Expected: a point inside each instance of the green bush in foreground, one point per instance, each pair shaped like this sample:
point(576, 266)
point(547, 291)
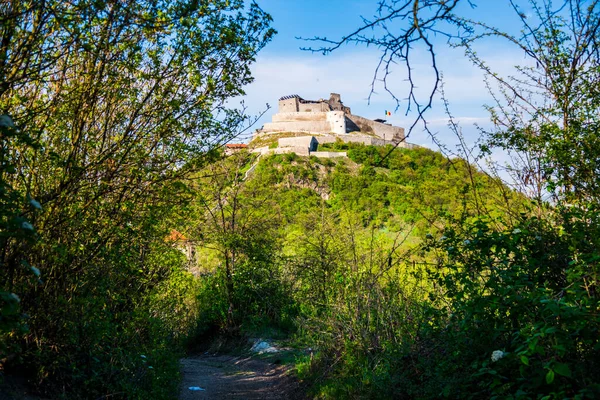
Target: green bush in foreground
point(523, 315)
point(509, 313)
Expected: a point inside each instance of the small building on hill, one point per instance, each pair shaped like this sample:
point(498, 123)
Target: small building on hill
point(231, 148)
point(183, 244)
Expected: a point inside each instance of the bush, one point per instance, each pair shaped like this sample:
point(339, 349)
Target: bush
point(523, 303)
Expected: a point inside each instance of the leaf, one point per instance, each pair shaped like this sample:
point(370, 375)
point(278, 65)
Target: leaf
point(525, 360)
point(520, 393)
point(446, 392)
point(550, 377)
point(532, 344)
point(562, 369)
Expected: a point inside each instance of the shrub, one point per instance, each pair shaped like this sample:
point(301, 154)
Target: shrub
point(522, 306)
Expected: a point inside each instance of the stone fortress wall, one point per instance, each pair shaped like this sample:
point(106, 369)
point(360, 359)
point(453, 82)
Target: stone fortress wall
point(381, 130)
point(324, 121)
point(326, 117)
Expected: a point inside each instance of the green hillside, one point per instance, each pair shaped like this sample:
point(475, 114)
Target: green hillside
point(409, 191)
point(330, 253)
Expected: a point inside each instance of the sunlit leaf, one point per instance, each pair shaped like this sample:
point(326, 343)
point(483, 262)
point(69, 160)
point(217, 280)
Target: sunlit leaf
point(550, 377)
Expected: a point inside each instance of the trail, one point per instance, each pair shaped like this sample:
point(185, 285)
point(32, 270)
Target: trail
point(229, 377)
point(249, 172)
point(252, 168)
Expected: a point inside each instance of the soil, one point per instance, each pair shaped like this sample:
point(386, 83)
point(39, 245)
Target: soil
point(230, 377)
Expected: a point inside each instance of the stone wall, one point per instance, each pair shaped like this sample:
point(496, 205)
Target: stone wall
point(384, 131)
point(299, 116)
point(313, 107)
point(316, 122)
point(308, 142)
point(327, 139)
point(336, 122)
point(364, 139)
point(295, 103)
point(372, 141)
point(289, 105)
point(368, 140)
point(298, 126)
point(301, 151)
point(261, 150)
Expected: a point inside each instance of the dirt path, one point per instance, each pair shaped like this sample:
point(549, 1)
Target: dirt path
point(228, 377)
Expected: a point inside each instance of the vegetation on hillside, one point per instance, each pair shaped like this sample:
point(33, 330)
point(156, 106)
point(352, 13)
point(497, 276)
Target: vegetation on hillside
point(330, 252)
point(512, 308)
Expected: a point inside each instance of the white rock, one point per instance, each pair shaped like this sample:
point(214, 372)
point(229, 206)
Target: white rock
point(261, 347)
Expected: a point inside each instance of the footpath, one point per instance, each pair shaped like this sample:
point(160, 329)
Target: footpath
point(229, 377)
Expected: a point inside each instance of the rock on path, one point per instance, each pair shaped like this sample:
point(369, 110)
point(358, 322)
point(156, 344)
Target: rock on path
point(228, 377)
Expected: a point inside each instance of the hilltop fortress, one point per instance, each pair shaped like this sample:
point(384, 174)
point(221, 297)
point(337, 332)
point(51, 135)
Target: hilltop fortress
point(301, 125)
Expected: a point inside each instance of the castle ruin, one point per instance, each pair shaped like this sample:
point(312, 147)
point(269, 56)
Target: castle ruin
point(314, 122)
point(327, 117)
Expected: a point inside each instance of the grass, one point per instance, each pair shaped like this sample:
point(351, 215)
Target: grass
point(360, 133)
point(283, 357)
point(329, 147)
point(267, 139)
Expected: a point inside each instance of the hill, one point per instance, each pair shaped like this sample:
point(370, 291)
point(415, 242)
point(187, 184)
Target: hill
point(329, 252)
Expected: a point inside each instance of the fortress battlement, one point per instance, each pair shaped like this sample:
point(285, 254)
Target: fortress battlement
point(316, 122)
point(326, 117)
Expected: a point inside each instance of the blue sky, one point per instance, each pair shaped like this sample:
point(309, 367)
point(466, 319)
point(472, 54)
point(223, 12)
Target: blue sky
point(282, 68)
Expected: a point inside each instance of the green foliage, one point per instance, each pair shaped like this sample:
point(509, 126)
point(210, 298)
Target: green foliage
point(16, 230)
point(238, 222)
point(123, 101)
point(535, 306)
point(417, 185)
point(500, 299)
point(392, 319)
point(341, 273)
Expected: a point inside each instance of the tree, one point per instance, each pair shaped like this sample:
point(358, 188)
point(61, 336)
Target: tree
point(15, 230)
point(122, 100)
point(238, 220)
point(397, 28)
point(318, 257)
